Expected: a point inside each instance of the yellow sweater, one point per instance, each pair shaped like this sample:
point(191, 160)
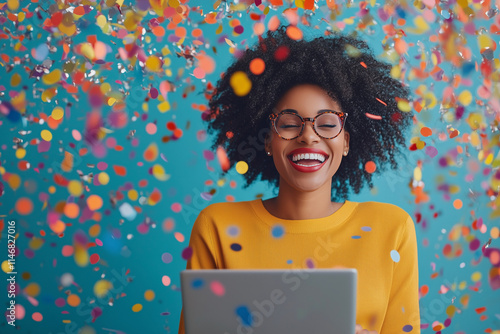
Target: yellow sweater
point(378, 239)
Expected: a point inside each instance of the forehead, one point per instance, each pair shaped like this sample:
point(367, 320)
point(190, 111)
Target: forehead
point(306, 99)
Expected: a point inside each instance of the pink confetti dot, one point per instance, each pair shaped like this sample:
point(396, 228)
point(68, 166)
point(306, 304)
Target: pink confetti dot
point(166, 280)
point(176, 207)
point(111, 142)
point(151, 128)
point(60, 302)
point(217, 288)
point(98, 242)
point(198, 73)
point(37, 316)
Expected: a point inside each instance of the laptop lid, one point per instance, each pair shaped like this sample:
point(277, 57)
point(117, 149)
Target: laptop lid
point(269, 301)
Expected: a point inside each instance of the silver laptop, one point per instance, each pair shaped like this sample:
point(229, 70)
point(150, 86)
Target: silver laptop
point(269, 301)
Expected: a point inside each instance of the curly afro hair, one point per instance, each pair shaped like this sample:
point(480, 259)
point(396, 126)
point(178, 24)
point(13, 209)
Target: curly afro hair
point(346, 69)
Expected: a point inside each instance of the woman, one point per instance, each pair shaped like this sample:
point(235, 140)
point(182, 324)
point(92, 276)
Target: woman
point(322, 109)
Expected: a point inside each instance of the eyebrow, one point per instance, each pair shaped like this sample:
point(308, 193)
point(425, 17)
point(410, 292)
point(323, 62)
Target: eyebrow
point(296, 112)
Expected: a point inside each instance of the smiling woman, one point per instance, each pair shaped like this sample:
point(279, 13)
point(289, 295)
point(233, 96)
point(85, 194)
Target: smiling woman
point(330, 114)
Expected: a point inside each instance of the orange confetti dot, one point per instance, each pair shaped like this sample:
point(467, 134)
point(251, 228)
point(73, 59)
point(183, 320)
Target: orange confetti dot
point(294, 33)
point(480, 310)
point(94, 202)
point(24, 206)
point(57, 227)
point(425, 131)
point(179, 236)
point(73, 300)
point(257, 66)
point(158, 31)
point(71, 210)
point(196, 32)
point(178, 133)
point(457, 204)
point(180, 32)
point(370, 167)
point(363, 64)
point(120, 170)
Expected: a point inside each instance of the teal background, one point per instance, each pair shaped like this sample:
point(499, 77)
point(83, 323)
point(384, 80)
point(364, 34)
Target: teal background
point(125, 248)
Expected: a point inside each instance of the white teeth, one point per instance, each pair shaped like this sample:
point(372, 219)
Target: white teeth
point(312, 156)
point(307, 165)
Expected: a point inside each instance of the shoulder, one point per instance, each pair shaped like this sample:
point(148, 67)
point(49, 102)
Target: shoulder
point(389, 215)
point(386, 209)
point(226, 210)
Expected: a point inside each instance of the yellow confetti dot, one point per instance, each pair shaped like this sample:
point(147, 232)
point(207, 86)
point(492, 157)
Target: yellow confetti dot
point(103, 178)
point(32, 289)
point(101, 21)
point(164, 106)
point(465, 97)
point(57, 113)
point(15, 79)
point(450, 310)
point(75, 188)
point(404, 106)
point(153, 63)
point(20, 153)
point(159, 173)
point(36, 243)
point(417, 174)
point(137, 307)
point(52, 77)
point(46, 135)
point(133, 195)
point(111, 101)
point(240, 83)
point(241, 167)
point(102, 287)
point(87, 50)
point(95, 230)
point(13, 4)
point(81, 256)
point(149, 295)
point(476, 276)
point(6, 267)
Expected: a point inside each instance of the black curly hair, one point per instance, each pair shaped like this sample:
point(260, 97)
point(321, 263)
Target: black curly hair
point(345, 67)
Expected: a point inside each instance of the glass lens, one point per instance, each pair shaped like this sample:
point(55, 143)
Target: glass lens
point(327, 125)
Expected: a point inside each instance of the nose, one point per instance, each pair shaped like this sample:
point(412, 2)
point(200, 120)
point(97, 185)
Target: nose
point(308, 134)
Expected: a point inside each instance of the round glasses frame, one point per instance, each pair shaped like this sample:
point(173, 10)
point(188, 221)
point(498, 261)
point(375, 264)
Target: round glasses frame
point(342, 115)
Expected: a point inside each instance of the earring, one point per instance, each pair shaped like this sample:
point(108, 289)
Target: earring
point(345, 153)
point(268, 153)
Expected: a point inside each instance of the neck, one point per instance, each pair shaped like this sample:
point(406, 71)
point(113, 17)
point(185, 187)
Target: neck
point(293, 204)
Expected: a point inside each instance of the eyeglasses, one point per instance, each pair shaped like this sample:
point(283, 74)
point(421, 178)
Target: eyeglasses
point(289, 125)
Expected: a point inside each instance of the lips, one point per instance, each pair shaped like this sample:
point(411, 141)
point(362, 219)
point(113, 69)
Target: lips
point(305, 168)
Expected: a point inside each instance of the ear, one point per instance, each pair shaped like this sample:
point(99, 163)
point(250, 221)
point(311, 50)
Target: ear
point(346, 140)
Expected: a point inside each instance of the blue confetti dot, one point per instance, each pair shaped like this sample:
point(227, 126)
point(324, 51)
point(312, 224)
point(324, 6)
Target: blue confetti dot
point(197, 283)
point(395, 255)
point(244, 313)
point(236, 247)
point(366, 228)
point(289, 261)
point(356, 237)
point(407, 328)
point(277, 231)
point(233, 231)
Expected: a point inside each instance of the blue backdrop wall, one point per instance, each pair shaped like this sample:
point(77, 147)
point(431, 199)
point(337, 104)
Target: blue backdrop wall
point(105, 161)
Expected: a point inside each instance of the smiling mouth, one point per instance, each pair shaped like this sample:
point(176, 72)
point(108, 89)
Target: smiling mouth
point(307, 162)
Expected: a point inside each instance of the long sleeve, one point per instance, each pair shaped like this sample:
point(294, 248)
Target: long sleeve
point(201, 242)
point(403, 312)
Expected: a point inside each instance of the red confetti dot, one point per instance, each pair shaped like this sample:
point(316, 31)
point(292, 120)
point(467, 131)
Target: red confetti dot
point(281, 53)
point(94, 258)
